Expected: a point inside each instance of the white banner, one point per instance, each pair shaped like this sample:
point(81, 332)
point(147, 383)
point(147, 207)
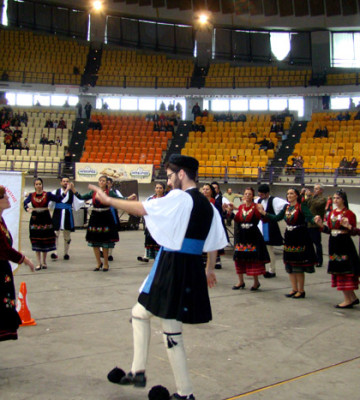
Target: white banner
point(14, 183)
point(91, 172)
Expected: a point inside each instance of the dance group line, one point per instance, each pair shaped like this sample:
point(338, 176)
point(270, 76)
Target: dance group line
point(185, 224)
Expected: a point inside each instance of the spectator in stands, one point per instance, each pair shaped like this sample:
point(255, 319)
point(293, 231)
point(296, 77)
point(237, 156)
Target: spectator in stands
point(5, 76)
point(66, 104)
point(351, 103)
point(17, 132)
point(62, 123)
point(340, 117)
point(8, 140)
point(162, 106)
point(347, 116)
point(171, 107)
point(58, 141)
point(266, 144)
point(49, 123)
point(16, 144)
point(352, 166)
point(241, 118)
point(205, 113)
point(79, 108)
point(24, 118)
point(26, 145)
point(274, 127)
point(37, 104)
point(88, 109)
point(56, 124)
point(343, 166)
point(44, 139)
point(196, 110)
point(357, 116)
point(253, 135)
point(178, 108)
point(105, 106)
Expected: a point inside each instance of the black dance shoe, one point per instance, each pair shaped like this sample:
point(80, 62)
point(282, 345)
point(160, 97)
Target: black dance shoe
point(54, 256)
point(138, 380)
point(254, 288)
point(355, 302)
point(291, 294)
point(269, 275)
point(177, 396)
point(301, 295)
point(115, 375)
point(237, 287)
point(66, 257)
point(347, 306)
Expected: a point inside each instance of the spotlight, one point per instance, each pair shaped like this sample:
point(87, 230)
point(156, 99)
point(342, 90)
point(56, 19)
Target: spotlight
point(97, 5)
point(203, 19)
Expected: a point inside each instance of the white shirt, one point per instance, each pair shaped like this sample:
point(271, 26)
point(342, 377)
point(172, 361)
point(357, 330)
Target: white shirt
point(278, 205)
point(168, 217)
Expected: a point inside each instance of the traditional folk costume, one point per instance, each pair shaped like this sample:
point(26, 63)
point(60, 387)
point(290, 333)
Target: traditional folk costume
point(152, 248)
point(42, 235)
point(270, 229)
point(63, 218)
point(185, 224)
point(9, 318)
point(344, 262)
point(299, 254)
point(102, 230)
point(250, 254)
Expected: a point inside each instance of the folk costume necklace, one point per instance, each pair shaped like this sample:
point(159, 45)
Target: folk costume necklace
point(290, 212)
point(39, 199)
point(245, 213)
point(336, 217)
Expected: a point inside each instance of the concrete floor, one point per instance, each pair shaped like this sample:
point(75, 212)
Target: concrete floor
point(260, 345)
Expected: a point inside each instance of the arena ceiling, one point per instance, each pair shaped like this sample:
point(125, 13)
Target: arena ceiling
point(268, 14)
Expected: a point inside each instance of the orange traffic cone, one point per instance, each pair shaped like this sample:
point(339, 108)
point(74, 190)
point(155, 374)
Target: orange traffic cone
point(22, 307)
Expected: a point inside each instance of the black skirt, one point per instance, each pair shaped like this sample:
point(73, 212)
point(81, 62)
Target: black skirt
point(179, 290)
point(42, 235)
point(250, 245)
point(343, 257)
point(102, 228)
point(9, 318)
point(299, 248)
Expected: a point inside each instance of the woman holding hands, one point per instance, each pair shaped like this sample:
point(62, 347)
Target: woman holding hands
point(299, 254)
point(344, 262)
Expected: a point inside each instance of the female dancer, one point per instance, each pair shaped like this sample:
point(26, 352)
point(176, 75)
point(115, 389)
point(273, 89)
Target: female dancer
point(9, 318)
point(151, 247)
point(344, 262)
point(250, 254)
point(42, 235)
point(102, 230)
point(299, 253)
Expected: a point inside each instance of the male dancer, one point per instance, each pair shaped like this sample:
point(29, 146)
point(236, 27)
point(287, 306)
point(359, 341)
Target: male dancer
point(185, 224)
point(270, 230)
point(63, 219)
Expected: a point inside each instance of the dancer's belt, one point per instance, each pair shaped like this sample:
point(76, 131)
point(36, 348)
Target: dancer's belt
point(63, 206)
point(246, 226)
point(189, 246)
point(335, 232)
point(292, 227)
point(40, 209)
point(101, 209)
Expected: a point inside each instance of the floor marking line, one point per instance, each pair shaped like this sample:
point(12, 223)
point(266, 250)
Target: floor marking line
point(291, 379)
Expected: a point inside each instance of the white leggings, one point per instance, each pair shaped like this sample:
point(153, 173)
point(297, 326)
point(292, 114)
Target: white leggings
point(173, 340)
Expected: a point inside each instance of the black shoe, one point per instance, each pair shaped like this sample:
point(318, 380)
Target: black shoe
point(143, 259)
point(54, 256)
point(66, 257)
point(177, 396)
point(348, 306)
point(111, 258)
point(253, 288)
point(115, 375)
point(138, 380)
point(291, 294)
point(269, 274)
point(218, 266)
point(237, 287)
point(98, 268)
point(301, 295)
point(355, 302)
